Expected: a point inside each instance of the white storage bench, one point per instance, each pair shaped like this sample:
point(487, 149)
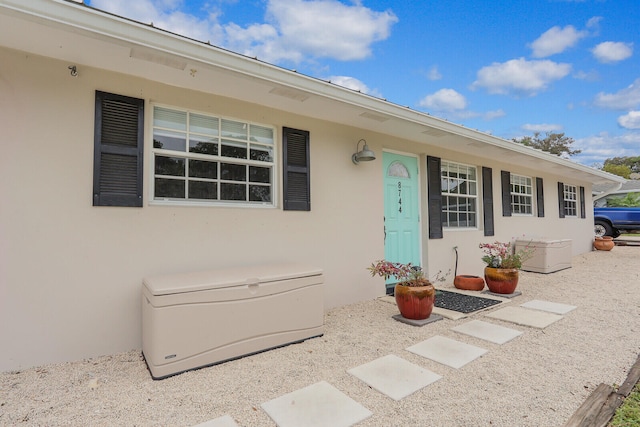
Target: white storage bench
point(549, 255)
point(198, 319)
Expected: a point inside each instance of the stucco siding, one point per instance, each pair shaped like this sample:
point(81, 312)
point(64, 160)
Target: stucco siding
point(71, 273)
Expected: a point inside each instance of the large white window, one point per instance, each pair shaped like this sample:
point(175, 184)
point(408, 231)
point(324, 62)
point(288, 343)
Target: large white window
point(570, 194)
point(521, 195)
point(459, 185)
point(203, 158)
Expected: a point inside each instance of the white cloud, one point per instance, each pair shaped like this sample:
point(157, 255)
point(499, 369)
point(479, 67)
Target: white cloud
point(520, 76)
point(293, 31)
point(450, 104)
point(322, 28)
point(625, 99)
point(631, 120)
point(353, 84)
point(556, 40)
point(594, 23)
point(444, 100)
point(607, 52)
point(434, 73)
point(495, 114)
point(166, 15)
point(542, 127)
point(590, 76)
point(598, 148)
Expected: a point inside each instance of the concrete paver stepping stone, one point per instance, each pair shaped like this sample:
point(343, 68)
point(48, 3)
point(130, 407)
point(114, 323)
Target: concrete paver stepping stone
point(447, 351)
point(525, 316)
point(225, 421)
point(487, 331)
point(317, 405)
point(551, 307)
point(394, 376)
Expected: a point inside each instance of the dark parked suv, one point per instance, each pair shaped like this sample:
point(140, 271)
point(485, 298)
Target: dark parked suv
point(617, 212)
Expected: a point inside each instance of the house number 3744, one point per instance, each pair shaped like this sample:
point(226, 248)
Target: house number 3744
point(399, 197)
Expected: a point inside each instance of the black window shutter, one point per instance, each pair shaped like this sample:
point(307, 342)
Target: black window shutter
point(435, 197)
point(583, 208)
point(487, 200)
point(118, 149)
point(297, 179)
point(505, 180)
point(540, 197)
point(561, 199)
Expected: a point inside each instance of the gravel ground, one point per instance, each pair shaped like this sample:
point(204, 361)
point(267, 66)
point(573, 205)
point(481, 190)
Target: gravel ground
point(538, 379)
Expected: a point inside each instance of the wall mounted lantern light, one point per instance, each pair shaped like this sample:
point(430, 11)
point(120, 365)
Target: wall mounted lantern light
point(364, 155)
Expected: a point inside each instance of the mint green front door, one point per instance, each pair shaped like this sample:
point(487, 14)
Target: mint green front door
point(401, 209)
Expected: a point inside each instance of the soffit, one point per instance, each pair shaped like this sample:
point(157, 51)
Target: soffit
point(86, 37)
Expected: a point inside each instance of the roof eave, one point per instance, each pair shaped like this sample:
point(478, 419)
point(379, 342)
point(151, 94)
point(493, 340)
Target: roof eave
point(79, 18)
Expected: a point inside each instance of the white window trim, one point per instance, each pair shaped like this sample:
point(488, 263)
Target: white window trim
point(151, 153)
point(530, 196)
point(574, 201)
point(476, 197)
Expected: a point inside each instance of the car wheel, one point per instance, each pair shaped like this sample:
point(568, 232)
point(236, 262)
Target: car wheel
point(603, 229)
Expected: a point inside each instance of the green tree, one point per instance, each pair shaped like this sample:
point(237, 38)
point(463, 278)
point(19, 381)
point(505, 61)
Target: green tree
point(620, 170)
point(554, 143)
point(633, 163)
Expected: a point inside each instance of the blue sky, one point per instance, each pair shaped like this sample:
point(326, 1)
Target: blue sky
point(506, 67)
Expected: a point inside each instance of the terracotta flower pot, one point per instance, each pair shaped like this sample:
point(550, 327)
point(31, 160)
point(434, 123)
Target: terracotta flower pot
point(469, 283)
point(604, 243)
point(501, 280)
point(415, 302)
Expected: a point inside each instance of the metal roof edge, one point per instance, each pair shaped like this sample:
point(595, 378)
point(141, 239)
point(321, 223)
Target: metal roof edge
point(72, 13)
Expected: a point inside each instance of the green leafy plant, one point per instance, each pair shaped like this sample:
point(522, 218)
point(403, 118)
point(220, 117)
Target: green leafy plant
point(628, 415)
point(503, 255)
point(406, 274)
point(631, 200)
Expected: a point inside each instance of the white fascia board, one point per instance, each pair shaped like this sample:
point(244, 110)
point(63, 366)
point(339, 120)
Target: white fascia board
point(76, 16)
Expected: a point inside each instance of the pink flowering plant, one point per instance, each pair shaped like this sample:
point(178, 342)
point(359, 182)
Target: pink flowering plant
point(503, 255)
point(406, 274)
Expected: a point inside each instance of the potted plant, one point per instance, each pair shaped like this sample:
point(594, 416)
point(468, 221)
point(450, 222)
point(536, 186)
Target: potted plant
point(466, 282)
point(603, 243)
point(414, 293)
point(503, 265)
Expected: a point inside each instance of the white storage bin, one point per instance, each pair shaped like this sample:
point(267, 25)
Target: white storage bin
point(198, 319)
point(549, 255)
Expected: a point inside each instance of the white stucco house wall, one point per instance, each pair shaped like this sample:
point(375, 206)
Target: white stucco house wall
point(129, 151)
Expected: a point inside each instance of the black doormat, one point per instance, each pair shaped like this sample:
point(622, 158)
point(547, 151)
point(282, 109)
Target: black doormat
point(461, 302)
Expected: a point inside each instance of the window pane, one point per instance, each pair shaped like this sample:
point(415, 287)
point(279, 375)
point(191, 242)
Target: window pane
point(471, 174)
point(473, 188)
point(203, 124)
point(259, 193)
point(170, 188)
point(171, 119)
point(169, 140)
point(201, 145)
point(261, 134)
point(459, 195)
point(257, 174)
point(232, 191)
point(237, 150)
point(203, 190)
point(203, 169)
point(453, 219)
point(233, 129)
point(231, 172)
point(169, 166)
point(262, 154)
point(192, 169)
